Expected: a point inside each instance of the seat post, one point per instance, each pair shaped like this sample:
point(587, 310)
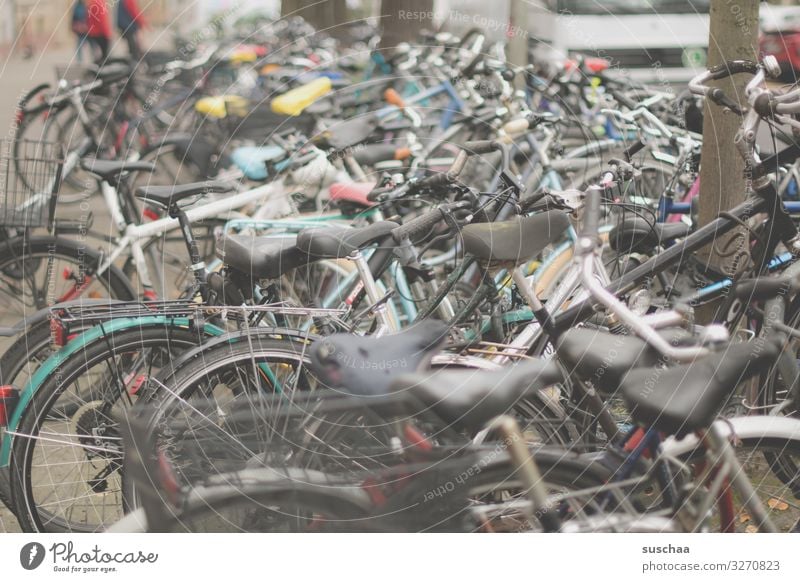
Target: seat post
point(352, 165)
point(540, 312)
point(371, 289)
point(112, 203)
point(198, 266)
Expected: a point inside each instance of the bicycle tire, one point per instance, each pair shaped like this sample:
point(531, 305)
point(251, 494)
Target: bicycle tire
point(762, 459)
point(104, 349)
point(21, 258)
point(351, 512)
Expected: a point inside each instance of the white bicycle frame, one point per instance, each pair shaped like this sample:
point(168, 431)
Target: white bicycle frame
point(135, 236)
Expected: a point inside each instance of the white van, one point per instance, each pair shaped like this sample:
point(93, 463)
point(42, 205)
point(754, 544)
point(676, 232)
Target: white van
point(650, 39)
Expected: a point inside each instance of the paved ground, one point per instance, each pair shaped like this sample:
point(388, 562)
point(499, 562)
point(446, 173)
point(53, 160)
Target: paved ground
point(18, 75)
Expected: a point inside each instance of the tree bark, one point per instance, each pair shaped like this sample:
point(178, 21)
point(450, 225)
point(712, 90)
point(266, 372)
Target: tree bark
point(518, 38)
point(733, 35)
point(288, 7)
point(324, 15)
point(401, 20)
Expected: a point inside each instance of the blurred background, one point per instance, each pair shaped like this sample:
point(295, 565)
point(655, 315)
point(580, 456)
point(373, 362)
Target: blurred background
point(663, 39)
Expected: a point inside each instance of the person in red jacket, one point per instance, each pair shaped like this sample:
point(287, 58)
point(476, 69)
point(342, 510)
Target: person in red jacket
point(98, 28)
point(129, 22)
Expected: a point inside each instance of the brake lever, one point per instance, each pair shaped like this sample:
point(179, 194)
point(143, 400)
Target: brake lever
point(622, 171)
point(718, 96)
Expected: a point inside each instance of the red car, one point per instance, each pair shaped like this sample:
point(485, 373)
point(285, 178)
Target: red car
point(780, 35)
point(784, 46)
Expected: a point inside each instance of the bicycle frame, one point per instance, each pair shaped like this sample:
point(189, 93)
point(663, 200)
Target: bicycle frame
point(455, 105)
point(135, 235)
point(69, 350)
point(671, 256)
point(726, 473)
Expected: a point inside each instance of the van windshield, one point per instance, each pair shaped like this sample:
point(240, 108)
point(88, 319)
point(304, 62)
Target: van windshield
point(618, 7)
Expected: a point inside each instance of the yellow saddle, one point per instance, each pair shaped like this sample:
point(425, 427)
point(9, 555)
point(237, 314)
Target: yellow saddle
point(222, 106)
point(242, 55)
point(295, 101)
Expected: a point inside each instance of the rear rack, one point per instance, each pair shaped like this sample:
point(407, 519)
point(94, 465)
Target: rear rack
point(98, 312)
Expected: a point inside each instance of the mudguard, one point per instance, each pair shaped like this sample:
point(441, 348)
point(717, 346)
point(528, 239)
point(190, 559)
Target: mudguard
point(742, 427)
point(52, 363)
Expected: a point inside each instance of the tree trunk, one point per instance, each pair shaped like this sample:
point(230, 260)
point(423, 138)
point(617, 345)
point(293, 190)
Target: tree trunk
point(518, 37)
point(733, 35)
point(288, 7)
point(324, 15)
point(401, 20)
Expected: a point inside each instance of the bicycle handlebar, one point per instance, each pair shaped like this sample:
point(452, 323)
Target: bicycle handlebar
point(764, 288)
point(731, 68)
point(698, 84)
point(423, 224)
point(481, 147)
point(586, 248)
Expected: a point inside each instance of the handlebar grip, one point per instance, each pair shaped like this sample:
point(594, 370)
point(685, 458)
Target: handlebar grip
point(459, 163)
point(624, 100)
point(423, 224)
point(436, 181)
point(372, 154)
point(730, 68)
point(591, 213)
point(634, 149)
point(480, 147)
point(762, 288)
point(516, 126)
point(392, 97)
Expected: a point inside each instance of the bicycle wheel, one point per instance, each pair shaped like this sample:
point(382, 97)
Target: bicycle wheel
point(496, 500)
point(770, 463)
point(226, 373)
point(772, 467)
point(64, 468)
point(774, 391)
point(20, 361)
point(492, 499)
point(39, 271)
point(78, 183)
point(248, 504)
point(18, 364)
point(43, 127)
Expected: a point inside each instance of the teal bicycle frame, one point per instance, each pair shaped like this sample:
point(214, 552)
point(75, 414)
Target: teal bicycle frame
point(74, 346)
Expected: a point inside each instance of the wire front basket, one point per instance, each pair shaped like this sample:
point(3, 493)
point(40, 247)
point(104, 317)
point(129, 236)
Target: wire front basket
point(30, 176)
